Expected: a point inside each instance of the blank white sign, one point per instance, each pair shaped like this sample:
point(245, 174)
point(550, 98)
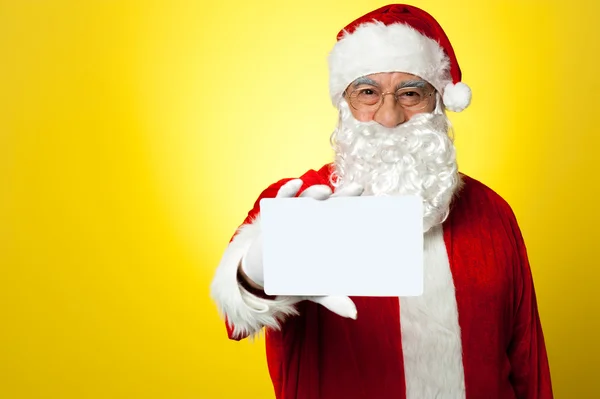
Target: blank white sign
point(356, 246)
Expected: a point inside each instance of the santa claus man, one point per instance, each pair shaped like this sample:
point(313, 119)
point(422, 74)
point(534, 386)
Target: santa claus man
point(475, 332)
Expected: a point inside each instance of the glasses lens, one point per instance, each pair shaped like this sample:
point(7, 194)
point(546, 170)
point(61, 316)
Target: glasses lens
point(411, 96)
point(365, 97)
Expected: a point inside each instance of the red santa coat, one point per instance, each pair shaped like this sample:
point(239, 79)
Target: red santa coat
point(474, 335)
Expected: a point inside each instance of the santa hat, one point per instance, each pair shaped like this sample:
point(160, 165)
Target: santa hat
point(397, 38)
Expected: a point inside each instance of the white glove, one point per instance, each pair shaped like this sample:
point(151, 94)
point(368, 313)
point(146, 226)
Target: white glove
point(252, 262)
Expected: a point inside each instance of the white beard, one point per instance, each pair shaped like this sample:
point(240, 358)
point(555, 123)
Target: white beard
point(416, 158)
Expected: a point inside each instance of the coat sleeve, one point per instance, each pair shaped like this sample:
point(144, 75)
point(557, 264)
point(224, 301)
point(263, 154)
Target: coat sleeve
point(530, 371)
point(245, 311)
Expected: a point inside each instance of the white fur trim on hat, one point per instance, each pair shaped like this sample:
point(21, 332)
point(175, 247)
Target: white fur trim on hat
point(376, 47)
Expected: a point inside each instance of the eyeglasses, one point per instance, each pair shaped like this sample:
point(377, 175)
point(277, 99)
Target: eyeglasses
point(369, 98)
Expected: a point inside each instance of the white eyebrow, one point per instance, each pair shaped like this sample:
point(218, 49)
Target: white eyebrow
point(364, 81)
point(412, 83)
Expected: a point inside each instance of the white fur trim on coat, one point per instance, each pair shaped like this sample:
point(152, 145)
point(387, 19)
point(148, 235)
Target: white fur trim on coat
point(376, 47)
point(431, 321)
point(245, 312)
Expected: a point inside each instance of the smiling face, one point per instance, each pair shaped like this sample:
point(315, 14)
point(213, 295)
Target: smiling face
point(389, 98)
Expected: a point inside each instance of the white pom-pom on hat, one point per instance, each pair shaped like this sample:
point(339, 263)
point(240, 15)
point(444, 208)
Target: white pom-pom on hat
point(457, 96)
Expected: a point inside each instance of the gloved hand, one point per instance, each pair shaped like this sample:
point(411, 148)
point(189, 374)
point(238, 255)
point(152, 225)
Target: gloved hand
point(252, 262)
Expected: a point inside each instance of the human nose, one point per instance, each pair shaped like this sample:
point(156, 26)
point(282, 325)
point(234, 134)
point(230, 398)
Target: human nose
point(389, 113)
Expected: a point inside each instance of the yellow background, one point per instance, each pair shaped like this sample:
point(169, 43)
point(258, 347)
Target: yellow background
point(135, 135)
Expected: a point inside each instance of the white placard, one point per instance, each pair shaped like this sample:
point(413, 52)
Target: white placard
point(357, 246)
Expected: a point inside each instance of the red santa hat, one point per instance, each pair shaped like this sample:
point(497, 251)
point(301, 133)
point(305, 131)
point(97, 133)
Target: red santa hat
point(397, 38)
